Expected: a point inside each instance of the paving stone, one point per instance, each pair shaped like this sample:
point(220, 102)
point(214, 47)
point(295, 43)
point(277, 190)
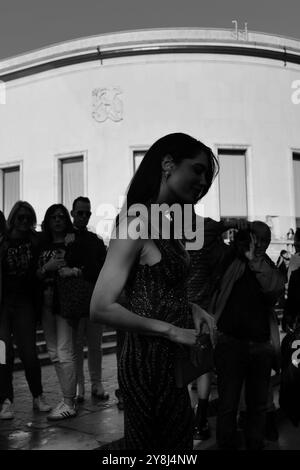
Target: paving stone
point(31, 430)
point(98, 424)
point(62, 439)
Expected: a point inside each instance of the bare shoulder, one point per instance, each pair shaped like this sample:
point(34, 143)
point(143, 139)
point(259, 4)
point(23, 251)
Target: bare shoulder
point(127, 239)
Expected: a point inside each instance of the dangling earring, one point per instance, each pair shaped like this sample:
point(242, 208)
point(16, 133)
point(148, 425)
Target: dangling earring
point(166, 175)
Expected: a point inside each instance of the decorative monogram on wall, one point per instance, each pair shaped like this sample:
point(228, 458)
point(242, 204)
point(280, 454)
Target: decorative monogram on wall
point(107, 104)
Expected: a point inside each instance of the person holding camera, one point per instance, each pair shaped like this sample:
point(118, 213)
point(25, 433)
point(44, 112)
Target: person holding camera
point(205, 264)
point(249, 288)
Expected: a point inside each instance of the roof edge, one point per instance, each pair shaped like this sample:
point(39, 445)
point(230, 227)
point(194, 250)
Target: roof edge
point(145, 39)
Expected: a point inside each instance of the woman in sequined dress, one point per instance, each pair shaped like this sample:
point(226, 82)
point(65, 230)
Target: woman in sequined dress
point(177, 169)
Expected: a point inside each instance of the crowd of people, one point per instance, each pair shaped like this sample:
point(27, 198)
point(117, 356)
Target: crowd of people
point(39, 271)
point(164, 301)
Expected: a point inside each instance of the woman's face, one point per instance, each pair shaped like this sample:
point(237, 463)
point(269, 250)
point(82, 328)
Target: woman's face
point(188, 179)
point(23, 221)
point(58, 221)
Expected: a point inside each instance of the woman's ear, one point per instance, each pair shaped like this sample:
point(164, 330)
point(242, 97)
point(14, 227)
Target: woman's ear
point(167, 163)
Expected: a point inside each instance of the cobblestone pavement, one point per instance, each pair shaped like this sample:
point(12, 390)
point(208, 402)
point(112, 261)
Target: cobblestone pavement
point(97, 423)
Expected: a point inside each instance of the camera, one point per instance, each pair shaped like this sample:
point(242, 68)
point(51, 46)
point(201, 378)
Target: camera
point(242, 240)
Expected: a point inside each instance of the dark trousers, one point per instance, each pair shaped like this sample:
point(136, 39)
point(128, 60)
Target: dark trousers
point(239, 362)
point(18, 325)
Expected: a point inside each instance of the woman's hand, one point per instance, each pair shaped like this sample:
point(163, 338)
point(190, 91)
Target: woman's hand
point(183, 336)
point(69, 238)
point(54, 264)
point(201, 318)
point(68, 272)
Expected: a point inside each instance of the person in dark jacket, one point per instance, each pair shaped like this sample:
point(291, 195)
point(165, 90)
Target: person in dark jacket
point(18, 316)
point(283, 263)
point(292, 310)
point(89, 256)
point(201, 282)
point(295, 258)
point(244, 353)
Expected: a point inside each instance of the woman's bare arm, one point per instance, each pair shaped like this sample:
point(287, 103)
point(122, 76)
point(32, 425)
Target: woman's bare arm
point(104, 306)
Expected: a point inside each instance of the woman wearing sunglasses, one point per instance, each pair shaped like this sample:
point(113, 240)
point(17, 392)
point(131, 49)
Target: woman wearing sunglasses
point(18, 314)
point(57, 230)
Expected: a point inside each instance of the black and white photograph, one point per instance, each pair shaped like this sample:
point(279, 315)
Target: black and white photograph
point(149, 228)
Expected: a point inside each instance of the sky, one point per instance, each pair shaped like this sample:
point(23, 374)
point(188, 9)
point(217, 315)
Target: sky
point(26, 25)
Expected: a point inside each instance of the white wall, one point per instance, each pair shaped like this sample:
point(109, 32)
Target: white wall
point(222, 101)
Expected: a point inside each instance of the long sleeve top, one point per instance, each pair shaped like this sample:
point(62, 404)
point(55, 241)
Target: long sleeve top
point(88, 253)
point(247, 311)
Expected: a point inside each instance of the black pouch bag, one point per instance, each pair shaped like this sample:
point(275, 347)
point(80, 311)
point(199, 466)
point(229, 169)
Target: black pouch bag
point(193, 361)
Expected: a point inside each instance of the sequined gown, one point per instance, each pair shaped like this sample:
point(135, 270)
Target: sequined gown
point(157, 415)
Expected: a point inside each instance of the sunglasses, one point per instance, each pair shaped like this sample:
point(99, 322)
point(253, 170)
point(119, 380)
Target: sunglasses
point(57, 216)
point(23, 217)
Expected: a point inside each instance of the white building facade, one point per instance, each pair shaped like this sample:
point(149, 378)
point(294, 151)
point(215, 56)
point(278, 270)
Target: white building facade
point(77, 117)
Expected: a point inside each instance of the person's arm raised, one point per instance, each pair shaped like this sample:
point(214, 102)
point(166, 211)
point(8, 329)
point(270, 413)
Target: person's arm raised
point(104, 307)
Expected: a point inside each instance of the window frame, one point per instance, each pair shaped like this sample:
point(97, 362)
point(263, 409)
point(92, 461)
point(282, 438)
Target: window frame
point(132, 150)
point(6, 166)
point(247, 150)
point(58, 165)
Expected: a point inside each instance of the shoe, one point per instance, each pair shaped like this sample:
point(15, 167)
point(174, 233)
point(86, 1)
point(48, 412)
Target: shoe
point(40, 404)
point(271, 430)
point(7, 411)
point(103, 396)
point(201, 428)
point(201, 433)
point(119, 396)
point(62, 411)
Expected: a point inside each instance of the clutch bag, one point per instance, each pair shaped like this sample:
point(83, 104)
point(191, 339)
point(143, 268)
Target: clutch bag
point(193, 361)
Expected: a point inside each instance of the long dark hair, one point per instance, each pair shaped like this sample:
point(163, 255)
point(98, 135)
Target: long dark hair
point(3, 227)
point(297, 234)
point(46, 231)
point(146, 182)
